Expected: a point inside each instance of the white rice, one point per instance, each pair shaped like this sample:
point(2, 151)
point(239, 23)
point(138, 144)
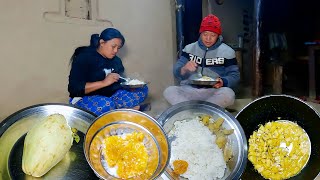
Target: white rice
point(135, 82)
point(195, 144)
point(205, 78)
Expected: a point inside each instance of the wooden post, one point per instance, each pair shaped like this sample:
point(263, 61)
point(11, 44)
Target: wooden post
point(257, 74)
point(277, 72)
point(239, 61)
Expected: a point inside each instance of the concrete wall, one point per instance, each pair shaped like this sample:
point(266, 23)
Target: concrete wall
point(36, 46)
point(231, 16)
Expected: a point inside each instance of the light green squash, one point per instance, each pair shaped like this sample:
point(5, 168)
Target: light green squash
point(46, 144)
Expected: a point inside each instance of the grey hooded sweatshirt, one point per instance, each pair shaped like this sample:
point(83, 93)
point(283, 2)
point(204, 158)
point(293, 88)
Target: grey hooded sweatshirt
point(218, 60)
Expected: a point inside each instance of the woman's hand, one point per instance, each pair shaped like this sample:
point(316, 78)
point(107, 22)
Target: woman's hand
point(219, 84)
point(191, 66)
point(111, 78)
point(108, 80)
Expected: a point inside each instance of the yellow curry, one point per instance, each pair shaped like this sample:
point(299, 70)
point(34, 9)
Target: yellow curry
point(279, 149)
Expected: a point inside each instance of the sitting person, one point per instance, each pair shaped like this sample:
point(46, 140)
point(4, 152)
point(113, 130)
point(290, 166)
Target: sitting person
point(214, 59)
point(94, 82)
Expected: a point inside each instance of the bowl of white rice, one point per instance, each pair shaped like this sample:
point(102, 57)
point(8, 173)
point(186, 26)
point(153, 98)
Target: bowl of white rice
point(207, 142)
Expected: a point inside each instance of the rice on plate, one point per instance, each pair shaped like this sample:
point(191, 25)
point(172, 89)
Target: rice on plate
point(134, 82)
point(195, 144)
point(205, 78)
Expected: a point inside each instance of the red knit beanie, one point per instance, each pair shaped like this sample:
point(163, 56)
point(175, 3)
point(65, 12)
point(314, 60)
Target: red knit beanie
point(211, 23)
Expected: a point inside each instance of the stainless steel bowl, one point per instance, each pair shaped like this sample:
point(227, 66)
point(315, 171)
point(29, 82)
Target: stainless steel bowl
point(284, 107)
point(14, 128)
point(237, 140)
point(120, 122)
point(132, 86)
point(203, 83)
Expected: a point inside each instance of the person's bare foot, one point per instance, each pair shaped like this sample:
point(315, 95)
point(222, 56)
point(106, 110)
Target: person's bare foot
point(136, 107)
point(142, 107)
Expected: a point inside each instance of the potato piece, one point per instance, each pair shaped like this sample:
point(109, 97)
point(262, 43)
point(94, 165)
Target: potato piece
point(227, 154)
point(213, 128)
point(205, 119)
point(227, 131)
point(221, 141)
point(218, 122)
point(219, 133)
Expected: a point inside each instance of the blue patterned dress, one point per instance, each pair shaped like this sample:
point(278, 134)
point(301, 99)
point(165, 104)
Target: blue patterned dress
point(121, 99)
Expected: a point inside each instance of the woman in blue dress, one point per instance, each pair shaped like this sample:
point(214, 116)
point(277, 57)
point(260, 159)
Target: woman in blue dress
point(94, 82)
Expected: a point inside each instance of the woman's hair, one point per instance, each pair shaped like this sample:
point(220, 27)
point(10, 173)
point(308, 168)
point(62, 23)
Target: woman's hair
point(106, 35)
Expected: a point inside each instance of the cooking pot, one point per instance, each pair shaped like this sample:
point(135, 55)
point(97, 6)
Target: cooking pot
point(284, 107)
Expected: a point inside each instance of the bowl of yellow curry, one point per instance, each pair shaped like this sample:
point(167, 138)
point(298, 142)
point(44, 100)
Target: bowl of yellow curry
point(126, 144)
point(283, 138)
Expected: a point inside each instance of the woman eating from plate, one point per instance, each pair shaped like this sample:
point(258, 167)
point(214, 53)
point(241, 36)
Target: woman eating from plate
point(94, 82)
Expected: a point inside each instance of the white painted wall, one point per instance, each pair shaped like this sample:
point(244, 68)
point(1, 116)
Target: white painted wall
point(35, 52)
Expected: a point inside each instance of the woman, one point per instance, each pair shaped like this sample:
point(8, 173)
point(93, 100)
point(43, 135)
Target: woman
point(94, 77)
point(213, 58)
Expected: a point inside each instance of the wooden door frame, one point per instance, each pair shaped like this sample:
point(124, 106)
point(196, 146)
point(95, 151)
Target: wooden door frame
point(257, 89)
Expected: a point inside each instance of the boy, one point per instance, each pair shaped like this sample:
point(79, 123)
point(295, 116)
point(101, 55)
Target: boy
point(217, 60)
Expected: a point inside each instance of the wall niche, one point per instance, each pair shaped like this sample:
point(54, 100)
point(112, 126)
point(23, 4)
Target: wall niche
point(78, 9)
point(77, 12)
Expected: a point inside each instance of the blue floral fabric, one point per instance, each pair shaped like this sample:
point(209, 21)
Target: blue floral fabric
point(122, 98)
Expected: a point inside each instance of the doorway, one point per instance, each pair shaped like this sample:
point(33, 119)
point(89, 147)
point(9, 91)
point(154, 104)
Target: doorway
point(188, 20)
point(192, 20)
point(297, 22)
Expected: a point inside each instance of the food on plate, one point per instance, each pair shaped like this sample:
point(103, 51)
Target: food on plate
point(46, 144)
point(205, 78)
point(227, 153)
point(134, 82)
point(59, 170)
point(205, 119)
point(126, 155)
point(279, 149)
point(195, 144)
point(75, 135)
point(180, 166)
point(227, 131)
point(221, 141)
point(215, 126)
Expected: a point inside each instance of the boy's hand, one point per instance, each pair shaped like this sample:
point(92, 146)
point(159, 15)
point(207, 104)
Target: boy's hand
point(191, 66)
point(219, 84)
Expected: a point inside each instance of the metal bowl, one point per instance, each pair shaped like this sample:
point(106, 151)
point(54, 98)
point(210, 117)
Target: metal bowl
point(284, 107)
point(203, 83)
point(237, 140)
point(132, 86)
point(196, 80)
point(120, 122)
point(14, 128)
